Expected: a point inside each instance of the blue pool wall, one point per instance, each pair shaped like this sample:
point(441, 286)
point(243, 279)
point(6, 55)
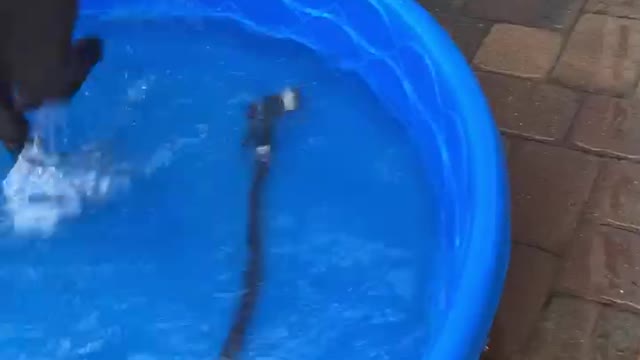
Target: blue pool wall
point(415, 69)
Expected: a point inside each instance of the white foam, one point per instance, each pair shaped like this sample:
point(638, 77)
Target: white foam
point(42, 189)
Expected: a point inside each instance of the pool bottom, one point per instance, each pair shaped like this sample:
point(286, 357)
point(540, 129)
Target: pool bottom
point(350, 233)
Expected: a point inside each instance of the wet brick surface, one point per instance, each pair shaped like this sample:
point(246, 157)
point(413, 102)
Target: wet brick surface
point(529, 283)
point(538, 110)
point(616, 199)
point(518, 51)
point(603, 265)
point(552, 14)
point(466, 33)
point(549, 188)
point(561, 77)
point(609, 125)
point(601, 55)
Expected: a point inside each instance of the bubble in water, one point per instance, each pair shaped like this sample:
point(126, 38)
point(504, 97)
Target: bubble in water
point(138, 91)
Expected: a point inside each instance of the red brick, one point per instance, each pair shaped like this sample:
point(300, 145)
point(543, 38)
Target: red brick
point(616, 197)
point(549, 187)
point(518, 50)
point(556, 14)
point(609, 125)
point(622, 8)
point(602, 55)
point(527, 287)
point(466, 33)
point(603, 264)
point(524, 107)
point(617, 336)
point(564, 332)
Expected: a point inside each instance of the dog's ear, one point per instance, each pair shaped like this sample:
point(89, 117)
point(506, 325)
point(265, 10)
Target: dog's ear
point(36, 45)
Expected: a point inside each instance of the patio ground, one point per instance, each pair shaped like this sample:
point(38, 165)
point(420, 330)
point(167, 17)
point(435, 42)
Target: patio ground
point(562, 79)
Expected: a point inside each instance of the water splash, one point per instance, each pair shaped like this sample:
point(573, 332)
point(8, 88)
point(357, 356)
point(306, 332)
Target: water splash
point(44, 188)
point(50, 122)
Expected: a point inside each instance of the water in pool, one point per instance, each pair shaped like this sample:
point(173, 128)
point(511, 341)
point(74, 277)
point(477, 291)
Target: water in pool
point(155, 272)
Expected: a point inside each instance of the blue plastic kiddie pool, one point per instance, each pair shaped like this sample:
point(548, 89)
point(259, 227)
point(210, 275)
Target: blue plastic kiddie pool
point(384, 220)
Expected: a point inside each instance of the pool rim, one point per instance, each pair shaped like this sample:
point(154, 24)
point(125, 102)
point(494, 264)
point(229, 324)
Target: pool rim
point(490, 244)
point(476, 299)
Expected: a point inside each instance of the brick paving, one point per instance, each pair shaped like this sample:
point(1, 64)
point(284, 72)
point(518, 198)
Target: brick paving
point(550, 187)
point(621, 8)
point(601, 55)
point(553, 14)
point(616, 195)
point(609, 125)
point(518, 50)
point(538, 110)
point(562, 78)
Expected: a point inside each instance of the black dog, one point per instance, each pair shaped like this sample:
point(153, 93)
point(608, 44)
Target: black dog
point(39, 61)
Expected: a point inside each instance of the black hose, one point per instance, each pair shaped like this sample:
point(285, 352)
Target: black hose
point(234, 343)
point(262, 118)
